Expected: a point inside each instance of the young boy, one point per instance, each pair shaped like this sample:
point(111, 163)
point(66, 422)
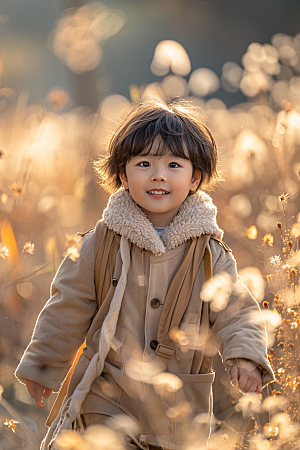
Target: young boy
point(138, 361)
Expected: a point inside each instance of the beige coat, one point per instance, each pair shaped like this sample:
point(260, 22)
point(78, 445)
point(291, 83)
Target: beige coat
point(131, 381)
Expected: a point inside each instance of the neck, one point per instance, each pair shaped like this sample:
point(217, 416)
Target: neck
point(161, 220)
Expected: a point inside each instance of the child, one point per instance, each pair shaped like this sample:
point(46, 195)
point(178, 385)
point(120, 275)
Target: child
point(158, 224)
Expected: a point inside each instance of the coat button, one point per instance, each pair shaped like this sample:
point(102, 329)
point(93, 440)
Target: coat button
point(155, 303)
point(114, 282)
point(153, 345)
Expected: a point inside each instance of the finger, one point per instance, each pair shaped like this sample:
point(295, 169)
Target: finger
point(39, 402)
point(28, 387)
point(247, 388)
point(251, 382)
point(47, 393)
point(234, 372)
point(250, 388)
point(32, 392)
point(243, 379)
point(38, 396)
point(254, 379)
point(259, 388)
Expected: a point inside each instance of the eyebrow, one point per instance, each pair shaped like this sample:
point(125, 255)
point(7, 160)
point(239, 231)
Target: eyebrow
point(171, 155)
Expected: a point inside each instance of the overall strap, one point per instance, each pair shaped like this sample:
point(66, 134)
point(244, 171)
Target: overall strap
point(208, 273)
point(179, 293)
point(107, 245)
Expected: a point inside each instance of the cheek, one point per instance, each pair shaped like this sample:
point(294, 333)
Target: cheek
point(136, 179)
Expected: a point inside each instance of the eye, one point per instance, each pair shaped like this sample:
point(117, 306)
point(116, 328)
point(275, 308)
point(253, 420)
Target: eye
point(174, 163)
point(144, 162)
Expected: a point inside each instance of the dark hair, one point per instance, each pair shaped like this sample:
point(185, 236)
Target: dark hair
point(181, 131)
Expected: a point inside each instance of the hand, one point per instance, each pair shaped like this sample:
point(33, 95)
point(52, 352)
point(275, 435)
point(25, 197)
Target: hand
point(37, 391)
point(248, 381)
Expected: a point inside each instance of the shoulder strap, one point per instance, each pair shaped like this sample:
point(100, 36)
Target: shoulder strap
point(222, 243)
point(179, 293)
point(208, 273)
point(107, 244)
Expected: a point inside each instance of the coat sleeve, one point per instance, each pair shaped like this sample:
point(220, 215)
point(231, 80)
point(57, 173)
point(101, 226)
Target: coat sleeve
point(63, 323)
point(237, 323)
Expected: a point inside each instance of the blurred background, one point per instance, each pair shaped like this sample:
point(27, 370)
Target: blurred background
point(71, 70)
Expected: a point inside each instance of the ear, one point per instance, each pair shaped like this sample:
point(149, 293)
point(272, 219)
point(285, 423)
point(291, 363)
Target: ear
point(195, 180)
point(123, 179)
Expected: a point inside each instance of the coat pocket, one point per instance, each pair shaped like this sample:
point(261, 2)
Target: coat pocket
point(182, 418)
point(197, 391)
point(195, 397)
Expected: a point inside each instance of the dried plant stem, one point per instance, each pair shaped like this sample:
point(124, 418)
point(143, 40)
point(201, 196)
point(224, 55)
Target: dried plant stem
point(21, 280)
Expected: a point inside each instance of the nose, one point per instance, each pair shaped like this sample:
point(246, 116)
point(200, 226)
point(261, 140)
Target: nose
point(159, 178)
point(159, 175)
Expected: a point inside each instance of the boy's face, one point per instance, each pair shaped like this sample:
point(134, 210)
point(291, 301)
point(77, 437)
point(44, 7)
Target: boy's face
point(167, 173)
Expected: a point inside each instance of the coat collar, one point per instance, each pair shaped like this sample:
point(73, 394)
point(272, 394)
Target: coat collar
point(196, 216)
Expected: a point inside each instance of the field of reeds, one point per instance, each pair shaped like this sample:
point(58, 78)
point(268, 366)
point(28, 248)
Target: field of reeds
point(49, 192)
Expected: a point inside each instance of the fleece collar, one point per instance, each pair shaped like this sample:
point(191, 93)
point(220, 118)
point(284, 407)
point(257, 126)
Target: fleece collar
point(196, 216)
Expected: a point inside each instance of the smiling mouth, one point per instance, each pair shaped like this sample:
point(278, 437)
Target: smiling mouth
point(158, 192)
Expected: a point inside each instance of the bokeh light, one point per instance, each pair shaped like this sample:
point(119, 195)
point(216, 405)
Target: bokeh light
point(78, 33)
point(203, 82)
point(217, 291)
point(170, 55)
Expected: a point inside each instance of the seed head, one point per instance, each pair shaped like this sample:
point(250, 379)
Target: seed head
point(17, 189)
point(3, 251)
point(283, 198)
point(11, 423)
point(28, 248)
point(275, 260)
point(268, 239)
point(251, 232)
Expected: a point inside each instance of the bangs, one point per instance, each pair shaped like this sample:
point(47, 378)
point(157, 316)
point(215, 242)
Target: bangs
point(167, 132)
